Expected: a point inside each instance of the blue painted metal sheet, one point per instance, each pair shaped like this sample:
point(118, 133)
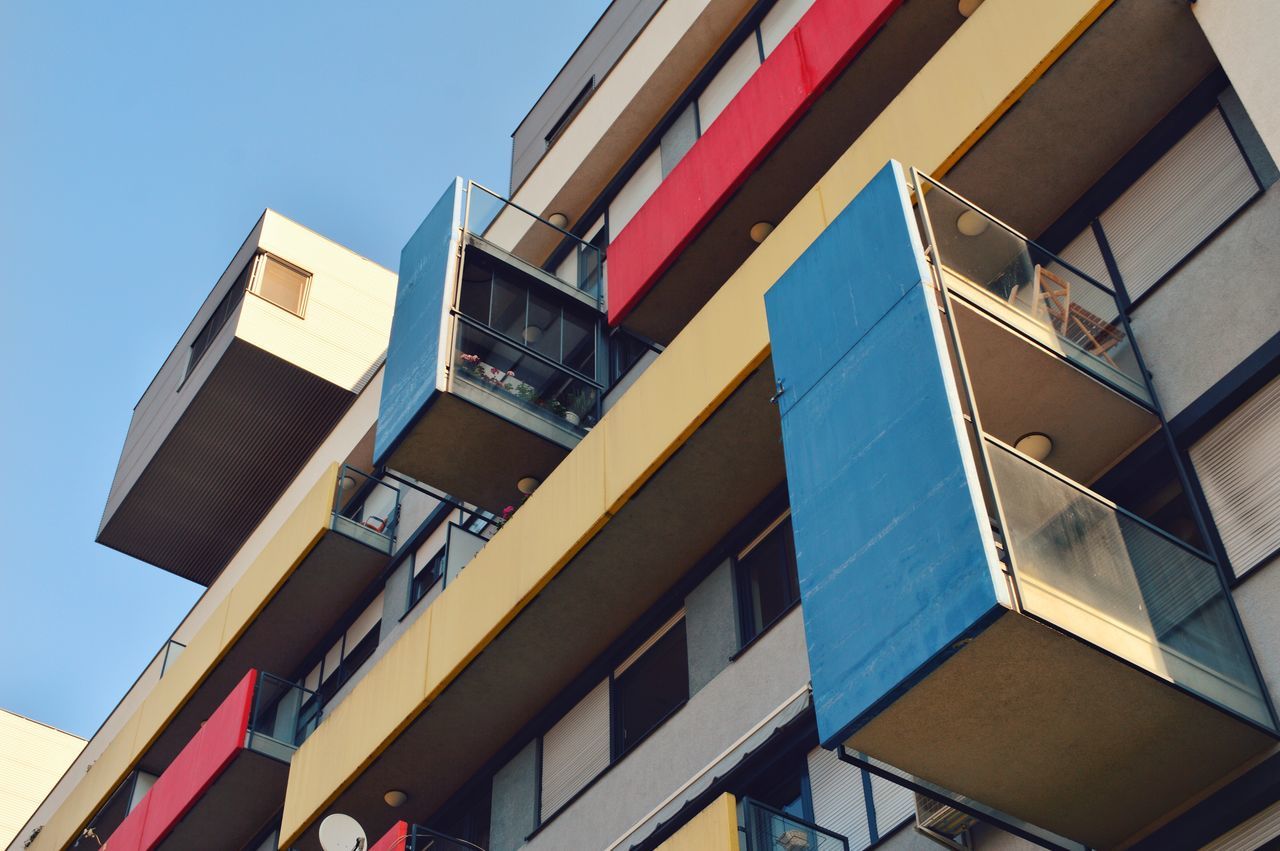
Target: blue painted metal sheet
point(892, 544)
point(413, 375)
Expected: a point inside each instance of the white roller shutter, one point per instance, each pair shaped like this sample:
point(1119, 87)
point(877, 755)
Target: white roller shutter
point(894, 804)
point(839, 803)
point(1179, 202)
point(1238, 463)
point(575, 750)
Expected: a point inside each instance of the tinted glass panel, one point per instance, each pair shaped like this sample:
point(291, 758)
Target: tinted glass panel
point(653, 686)
point(768, 579)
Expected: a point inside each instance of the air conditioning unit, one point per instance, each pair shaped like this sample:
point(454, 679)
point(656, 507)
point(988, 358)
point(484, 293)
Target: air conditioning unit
point(937, 820)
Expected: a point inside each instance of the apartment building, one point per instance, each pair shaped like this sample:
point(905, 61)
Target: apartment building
point(32, 758)
point(854, 426)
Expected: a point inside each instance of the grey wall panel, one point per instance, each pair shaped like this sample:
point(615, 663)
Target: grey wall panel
point(711, 627)
point(513, 814)
point(598, 52)
point(1216, 310)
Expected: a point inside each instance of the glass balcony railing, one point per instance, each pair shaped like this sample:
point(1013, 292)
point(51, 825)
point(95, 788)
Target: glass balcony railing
point(1103, 574)
point(764, 828)
point(1017, 282)
point(425, 839)
point(534, 240)
point(281, 717)
point(366, 508)
point(524, 378)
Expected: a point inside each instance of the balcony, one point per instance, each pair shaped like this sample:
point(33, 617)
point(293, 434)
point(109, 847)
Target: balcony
point(496, 350)
point(228, 779)
point(413, 837)
point(291, 332)
point(992, 623)
point(764, 828)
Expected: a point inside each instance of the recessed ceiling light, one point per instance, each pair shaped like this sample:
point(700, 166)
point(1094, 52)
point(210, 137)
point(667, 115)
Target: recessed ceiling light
point(760, 231)
point(1037, 445)
point(394, 797)
point(527, 485)
point(972, 223)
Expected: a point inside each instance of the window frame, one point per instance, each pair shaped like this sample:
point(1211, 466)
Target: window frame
point(748, 631)
point(259, 271)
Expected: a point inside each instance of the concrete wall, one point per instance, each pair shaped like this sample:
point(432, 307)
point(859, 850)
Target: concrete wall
point(1216, 310)
point(1258, 601)
point(746, 691)
point(513, 814)
point(1244, 34)
point(711, 626)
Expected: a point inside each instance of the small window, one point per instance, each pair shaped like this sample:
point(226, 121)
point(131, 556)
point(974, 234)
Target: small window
point(425, 578)
point(651, 685)
point(281, 284)
point(574, 108)
point(767, 581)
point(218, 319)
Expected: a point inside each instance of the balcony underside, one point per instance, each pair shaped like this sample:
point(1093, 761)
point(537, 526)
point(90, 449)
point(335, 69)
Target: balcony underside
point(327, 581)
point(239, 443)
point(1022, 387)
point(1118, 79)
point(1049, 729)
point(820, 136)
point(727, 467)
point(468, 444)
point(234, 808)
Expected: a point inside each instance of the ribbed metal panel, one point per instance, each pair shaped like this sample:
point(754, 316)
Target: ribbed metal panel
point(1238, 463)
point(575, 750)
point(1258, 832)
point(1180, 201)
point(839, 802)
point(235, 448)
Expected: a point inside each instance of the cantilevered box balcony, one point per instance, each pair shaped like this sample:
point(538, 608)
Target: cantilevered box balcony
point(230, 776)
point(292, 331)
point(495, 368)
point(982, 620)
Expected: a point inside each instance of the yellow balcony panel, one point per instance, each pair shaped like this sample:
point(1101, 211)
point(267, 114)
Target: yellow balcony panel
point(660, 464)
point(289, 335)
point(713, 829)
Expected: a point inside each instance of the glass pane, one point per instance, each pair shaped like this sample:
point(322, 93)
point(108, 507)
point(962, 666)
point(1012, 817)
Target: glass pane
point(653, 686)
point(510, 307)
point(769, 573)
point(473, 299)
point(282, 285)
point(1030, 290)
point(542, 333)
point(1112, 580)
point(768, 829)
point(523, 379)
point(580, 343)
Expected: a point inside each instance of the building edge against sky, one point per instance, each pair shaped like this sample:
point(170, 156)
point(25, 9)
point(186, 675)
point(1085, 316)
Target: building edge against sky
point(848, 434)
point(32, 758)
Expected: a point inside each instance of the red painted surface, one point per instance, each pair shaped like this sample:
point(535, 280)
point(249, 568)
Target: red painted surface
point(396, 836)
point(190, 774)
point(807, 61)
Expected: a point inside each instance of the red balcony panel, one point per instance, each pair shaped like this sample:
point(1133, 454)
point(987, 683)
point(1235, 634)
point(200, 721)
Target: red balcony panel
point(395, 837)
point(801, 68)
point(191, 773)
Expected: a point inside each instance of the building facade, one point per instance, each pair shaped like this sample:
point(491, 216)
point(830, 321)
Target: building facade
point(32, 758)
point(855, 426)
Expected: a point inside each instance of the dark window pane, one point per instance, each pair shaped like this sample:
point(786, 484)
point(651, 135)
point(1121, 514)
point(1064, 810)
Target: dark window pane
point(473, 301)
point(542, 333)
point(653, 686)
point(768, 579)
point(580, 343)
point(510, 303)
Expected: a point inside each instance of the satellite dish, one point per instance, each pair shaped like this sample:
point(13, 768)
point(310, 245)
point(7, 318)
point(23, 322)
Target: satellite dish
point(340, 832)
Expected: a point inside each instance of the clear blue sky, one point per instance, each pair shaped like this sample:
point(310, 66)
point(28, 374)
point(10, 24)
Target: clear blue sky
point(139, 142)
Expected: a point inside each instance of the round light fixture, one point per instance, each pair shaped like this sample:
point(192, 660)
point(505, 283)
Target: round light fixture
point(531, 333)
point(560, 220)
point(972, 223)
point(760, 231)
point(527, 485)
point(394, 797)
point(968, 7)
point(348, 483)
point(1037, 445)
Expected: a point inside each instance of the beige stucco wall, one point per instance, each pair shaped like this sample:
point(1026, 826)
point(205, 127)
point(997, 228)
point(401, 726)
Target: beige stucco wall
point(1244, 34)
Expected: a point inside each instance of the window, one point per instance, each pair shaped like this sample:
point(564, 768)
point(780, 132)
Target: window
point(651, 684)
point(574, 108)
point(768, 584)
point(426, 576)
point(218, 319)
point(281, 284)
point(1238, 462)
